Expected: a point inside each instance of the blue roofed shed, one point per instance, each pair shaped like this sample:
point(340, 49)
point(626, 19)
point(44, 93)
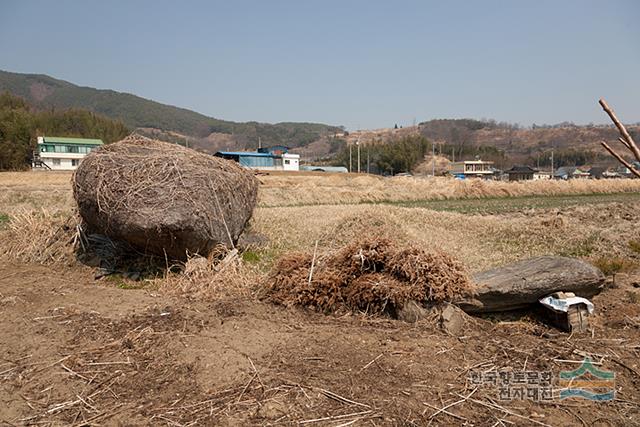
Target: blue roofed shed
point(251, 159)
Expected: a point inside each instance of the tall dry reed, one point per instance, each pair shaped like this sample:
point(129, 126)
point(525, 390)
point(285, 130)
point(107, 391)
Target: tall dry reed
point(292, 190)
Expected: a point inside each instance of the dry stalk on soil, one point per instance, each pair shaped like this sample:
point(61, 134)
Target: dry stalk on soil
point(371, 274)
point(40, 237)
point(221, 275)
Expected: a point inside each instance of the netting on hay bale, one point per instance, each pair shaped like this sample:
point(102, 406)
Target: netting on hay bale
point(164, 198)
point(372, 275)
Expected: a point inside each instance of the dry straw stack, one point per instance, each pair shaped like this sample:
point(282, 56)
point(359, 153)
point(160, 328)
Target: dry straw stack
point(163, 198)
point(41, 237)
point(373, 275)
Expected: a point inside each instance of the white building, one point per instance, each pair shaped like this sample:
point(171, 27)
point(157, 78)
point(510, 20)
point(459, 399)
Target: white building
point(291, 162)
point(271, 159)
point(540, 175)
point(57, 153)
point(471, 168)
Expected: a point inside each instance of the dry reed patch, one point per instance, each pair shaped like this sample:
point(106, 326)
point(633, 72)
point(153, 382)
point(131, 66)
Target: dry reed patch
point(481, 241)
point(372, 275)
point(292, 190)
point(35, 179)
point(40, 237)
point(298, 228)
point(220, 276)
point(20, 191)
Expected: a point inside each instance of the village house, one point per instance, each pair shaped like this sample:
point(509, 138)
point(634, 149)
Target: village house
point(58, 153)
point(598, 172)
point(539, 175)
point(520, 173)
point(570, 172)
point(472, 169)
point(272, 158)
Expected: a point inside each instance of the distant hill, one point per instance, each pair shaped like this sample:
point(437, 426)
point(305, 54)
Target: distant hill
point(163, 121)
point(572, 144)
point(507, 144)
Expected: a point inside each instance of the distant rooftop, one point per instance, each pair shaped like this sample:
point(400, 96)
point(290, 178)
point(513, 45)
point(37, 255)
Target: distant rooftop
point(65, 140)
point(244, 153)
point(474, 162)
point(521, 169)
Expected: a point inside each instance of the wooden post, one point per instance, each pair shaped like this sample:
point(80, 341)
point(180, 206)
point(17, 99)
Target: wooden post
point(625, 139)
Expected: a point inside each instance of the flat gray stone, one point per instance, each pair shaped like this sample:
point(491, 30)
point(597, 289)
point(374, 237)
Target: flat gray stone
point(523, 283)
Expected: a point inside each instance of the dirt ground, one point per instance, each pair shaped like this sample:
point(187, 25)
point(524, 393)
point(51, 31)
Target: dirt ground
point(77, 351)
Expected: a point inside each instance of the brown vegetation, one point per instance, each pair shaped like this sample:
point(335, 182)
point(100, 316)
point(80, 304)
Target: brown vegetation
point(371, 275)
point(52, 190)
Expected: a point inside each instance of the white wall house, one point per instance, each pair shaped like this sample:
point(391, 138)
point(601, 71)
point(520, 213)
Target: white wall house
point(271, 159)
point(291, 162)
point(57, 153)
point(539, 175)
point(471, 168)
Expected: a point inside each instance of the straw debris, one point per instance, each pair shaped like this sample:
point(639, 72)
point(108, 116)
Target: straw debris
point(372, 275)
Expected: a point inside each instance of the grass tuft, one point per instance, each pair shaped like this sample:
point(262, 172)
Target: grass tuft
point(634, 245)
point(610, 265)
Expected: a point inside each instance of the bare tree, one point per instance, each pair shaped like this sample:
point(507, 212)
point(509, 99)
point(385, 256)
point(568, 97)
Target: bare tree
point(625, 139)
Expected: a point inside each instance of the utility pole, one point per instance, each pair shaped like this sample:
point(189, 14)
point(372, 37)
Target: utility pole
point(368, 170)
point(433, 159)
point(350, 164)
point(259, 143)
point(358, 145)
point(552, 163)
point(453, 155)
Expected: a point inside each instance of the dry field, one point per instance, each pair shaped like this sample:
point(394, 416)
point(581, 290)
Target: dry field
point(205, 350)
point(52, 190)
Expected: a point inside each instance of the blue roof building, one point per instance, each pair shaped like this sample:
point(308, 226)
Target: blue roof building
point(269, 160)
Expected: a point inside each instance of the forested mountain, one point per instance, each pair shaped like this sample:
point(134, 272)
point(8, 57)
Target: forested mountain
point(164, 121)
point(20, 124)
point(508, 143)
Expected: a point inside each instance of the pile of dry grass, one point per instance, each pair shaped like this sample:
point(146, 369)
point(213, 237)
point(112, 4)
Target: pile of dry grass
point(162, 198)
point(221, 275)
point(41, 237)
point(373, 275)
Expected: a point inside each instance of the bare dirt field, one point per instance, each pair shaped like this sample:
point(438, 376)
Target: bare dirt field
point(113, 351)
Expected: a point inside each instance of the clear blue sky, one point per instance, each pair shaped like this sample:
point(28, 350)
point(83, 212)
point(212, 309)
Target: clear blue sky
point(362, 64)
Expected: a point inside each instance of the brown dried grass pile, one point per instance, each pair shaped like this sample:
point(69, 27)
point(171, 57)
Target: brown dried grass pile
point(41, 237)
point(219, 276)
point(372, 275)
point(162, 198)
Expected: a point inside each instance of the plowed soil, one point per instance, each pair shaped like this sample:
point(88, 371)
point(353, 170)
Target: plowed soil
point(76, 351)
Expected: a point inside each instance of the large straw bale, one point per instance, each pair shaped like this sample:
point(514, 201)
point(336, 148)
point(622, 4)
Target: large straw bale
point(162, 198)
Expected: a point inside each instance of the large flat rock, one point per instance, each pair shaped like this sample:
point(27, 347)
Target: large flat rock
point(522, 283)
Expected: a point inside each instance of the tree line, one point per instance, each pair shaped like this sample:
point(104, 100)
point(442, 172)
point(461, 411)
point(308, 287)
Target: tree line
point(389, 158)
point(20, 125)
